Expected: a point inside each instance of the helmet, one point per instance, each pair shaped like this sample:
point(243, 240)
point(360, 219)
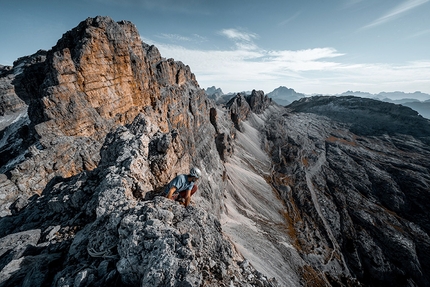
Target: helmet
point(195, 172)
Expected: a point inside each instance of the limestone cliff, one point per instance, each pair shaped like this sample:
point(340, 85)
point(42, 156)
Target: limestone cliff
point(326, 192)
point(98, 76)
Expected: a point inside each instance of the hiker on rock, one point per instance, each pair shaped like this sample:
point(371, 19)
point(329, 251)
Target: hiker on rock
point(182, 187)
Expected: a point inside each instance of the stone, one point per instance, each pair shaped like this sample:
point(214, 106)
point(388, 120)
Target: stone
point(258, 102)
point(239, 109)
point(19, 240)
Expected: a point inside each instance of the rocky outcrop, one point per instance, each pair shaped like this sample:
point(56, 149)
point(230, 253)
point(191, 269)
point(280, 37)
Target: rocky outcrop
point(239, 109)
point(10, 103)
point(241, 105)
point(218, 95)
point(214, 93)
point(258, 101)
point(78, 182)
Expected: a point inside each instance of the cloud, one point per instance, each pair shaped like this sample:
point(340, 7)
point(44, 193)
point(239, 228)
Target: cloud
point(286, 21)
point(173, 37)
point(317, 70)
point(242, 40)
point(176, 38)
point(304, 55)
point(396, 12)
point(237, 35)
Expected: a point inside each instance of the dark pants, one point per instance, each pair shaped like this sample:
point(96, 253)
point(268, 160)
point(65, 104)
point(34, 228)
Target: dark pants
point(178, 196)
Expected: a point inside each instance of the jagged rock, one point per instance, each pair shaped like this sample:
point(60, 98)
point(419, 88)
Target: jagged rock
point(224, 135)
point(239, 109)
point(258, 102)
point(218, 96)
point(9, 102)
point(240, 106)
point(14, 123)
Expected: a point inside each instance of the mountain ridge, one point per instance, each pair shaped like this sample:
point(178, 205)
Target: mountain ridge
point(296, 196)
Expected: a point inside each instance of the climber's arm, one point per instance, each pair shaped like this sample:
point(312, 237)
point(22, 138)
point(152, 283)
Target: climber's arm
point(171, 192)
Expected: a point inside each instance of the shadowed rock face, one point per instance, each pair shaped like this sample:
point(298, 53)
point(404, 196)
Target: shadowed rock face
point(329, 192)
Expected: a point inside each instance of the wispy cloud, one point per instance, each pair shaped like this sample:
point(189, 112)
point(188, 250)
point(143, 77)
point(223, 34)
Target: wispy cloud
point(237, 35)
point(173, 37)
point(288, 20)
point(396, 12)
point(176, 38)
point(243, 40)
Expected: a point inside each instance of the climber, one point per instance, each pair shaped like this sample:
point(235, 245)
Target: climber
point(182, 187)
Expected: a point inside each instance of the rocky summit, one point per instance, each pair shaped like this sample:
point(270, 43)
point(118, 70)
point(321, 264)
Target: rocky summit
point(328, 191)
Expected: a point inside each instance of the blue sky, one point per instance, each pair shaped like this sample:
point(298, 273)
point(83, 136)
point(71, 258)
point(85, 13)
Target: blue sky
point(319, 46)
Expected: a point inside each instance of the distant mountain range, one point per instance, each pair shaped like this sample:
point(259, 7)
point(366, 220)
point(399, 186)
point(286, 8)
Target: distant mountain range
point(417, 101)
point(219, 97)
point(284, 96)
point(393, 96)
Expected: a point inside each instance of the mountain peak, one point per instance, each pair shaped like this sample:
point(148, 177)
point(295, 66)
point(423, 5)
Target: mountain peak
point(285, 96)
point(329, 191)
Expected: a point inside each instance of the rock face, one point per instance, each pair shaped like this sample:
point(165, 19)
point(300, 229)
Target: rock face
point(218, 95)
point(329, 192)
point(241, 105)
point(77, 192)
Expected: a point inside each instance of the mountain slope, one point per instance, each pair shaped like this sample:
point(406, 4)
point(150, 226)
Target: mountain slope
point(329, 192)
point(355, 194)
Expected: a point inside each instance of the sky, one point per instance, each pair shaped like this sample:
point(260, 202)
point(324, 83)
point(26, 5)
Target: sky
point(314, 47)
